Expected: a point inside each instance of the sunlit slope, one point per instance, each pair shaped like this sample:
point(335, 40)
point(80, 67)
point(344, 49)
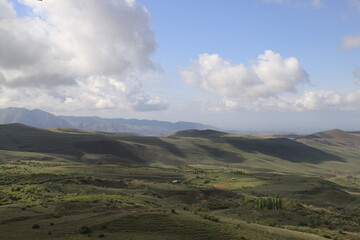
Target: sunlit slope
point(340, 143)
point(193, 147)
point(334, 137)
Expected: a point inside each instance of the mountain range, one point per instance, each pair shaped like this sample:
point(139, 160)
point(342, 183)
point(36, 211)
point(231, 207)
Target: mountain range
point(42, 119)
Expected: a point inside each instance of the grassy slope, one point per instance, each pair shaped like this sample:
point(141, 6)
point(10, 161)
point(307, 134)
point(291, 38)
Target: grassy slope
point(184, 148)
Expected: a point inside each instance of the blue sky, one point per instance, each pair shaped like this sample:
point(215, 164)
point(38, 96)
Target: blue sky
point(240, 30)
point(249, 65)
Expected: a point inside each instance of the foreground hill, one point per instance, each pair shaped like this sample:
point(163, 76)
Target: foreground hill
point(192, 147)
point(41, 119)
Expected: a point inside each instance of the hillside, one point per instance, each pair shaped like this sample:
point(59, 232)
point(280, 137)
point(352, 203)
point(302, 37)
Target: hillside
point(41, 119)
point(200, 147)
point(194, 184)
point(334, 137)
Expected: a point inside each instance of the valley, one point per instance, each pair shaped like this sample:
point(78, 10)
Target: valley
point(63, 183)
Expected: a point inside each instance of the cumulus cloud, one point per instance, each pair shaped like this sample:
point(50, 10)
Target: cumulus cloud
point(268, 76)
point(307, 101)
point(91, 94)
point(350, 42)
point(148, 103)
point(6, 10)
point(320, 100)
point(95, 48)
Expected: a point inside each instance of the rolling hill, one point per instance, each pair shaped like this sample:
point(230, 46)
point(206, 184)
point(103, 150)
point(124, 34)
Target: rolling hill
point(334, 137)
point(192, 147)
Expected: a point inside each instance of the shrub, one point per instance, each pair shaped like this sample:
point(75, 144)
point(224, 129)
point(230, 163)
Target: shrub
point(270, 222)
point(84, 230)
point(35, 226)
point(208, 216)
point(186, 208)
point(56, 214)
point(325, 235)
point(101, 235)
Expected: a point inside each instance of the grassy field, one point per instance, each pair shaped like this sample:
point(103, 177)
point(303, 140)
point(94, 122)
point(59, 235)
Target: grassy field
point(66, 200)
point(72, 184)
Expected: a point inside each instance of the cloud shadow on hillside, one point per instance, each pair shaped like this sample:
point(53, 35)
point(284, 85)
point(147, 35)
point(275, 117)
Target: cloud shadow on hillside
point(283, 148)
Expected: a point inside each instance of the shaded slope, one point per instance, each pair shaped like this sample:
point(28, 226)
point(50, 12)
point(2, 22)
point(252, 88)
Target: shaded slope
point(21, 138)
point(207, 133)
point(207, 148)
point(283, 148)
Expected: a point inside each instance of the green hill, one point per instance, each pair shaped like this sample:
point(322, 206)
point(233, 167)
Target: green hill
point(193, 147)
point(334, 137)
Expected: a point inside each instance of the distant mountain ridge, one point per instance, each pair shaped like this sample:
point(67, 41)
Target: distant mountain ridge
point(34, 118)
point(42, 119)
point(144, 127)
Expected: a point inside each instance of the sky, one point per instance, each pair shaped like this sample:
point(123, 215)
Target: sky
point(249, 65)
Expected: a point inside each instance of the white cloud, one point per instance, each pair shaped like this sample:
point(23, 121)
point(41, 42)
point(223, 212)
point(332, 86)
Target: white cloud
point(6, 10)
point(149, 103)
point(93, 93)
point(307, 101)
point(320, 100)
point(269, 76)
point(350, 42)
point(316, 4)
point(95, 48)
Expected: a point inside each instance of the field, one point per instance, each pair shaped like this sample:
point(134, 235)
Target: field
point(71, 184)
